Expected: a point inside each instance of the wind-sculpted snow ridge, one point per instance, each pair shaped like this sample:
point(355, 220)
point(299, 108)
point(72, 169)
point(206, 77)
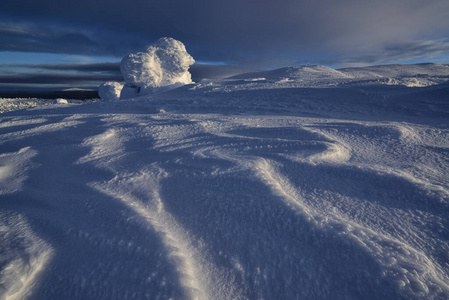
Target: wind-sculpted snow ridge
point(229, 189)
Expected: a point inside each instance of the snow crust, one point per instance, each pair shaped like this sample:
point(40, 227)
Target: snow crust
point(297, 183)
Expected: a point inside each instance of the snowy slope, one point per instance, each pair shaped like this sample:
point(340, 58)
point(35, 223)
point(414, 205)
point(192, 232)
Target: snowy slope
point(231, 189)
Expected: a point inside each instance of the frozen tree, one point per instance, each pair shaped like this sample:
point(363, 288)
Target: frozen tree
point(110, 90)
point(161, 66)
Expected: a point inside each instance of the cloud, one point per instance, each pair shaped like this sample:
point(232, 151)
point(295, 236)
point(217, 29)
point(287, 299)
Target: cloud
point(51, 38)
point(99, 72)
point(417, 49)
point(16, 37)
point(264, 33)
point(57, 78)
point(66, 74)
point(414, 51)
point(93, 73)
point(96, 67)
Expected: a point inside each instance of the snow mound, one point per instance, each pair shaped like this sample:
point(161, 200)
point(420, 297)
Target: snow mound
point(161, 66)
point(110, 90)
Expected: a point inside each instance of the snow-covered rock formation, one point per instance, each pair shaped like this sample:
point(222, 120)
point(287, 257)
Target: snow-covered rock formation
point(161, 66)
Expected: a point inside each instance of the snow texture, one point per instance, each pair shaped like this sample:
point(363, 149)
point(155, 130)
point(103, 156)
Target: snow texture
point(110, 91)
point(161, 66)
point(297, 183)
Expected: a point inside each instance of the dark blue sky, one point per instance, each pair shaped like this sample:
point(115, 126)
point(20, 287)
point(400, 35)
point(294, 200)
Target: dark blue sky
point(78, 43)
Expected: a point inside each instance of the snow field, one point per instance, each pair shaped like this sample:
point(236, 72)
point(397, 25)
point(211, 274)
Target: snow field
point(229, 190)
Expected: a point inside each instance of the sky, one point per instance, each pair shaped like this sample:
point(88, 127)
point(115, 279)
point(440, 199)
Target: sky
point(56, 44)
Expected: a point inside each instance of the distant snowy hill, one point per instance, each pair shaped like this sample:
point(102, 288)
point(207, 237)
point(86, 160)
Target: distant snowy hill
point(320, 76)
point(408, 75)
point(398, 71)
point(297, 183)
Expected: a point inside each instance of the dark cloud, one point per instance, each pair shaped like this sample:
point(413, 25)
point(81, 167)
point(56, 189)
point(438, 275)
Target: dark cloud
point(198, 71)
point(410, 50)
point(100, 72)
point(45, 39)
point(262, 33)
point(57, 78)
point(32, 76)
point(66, 40)
point(96, 67)
point(407, 51)
point(93, 74)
